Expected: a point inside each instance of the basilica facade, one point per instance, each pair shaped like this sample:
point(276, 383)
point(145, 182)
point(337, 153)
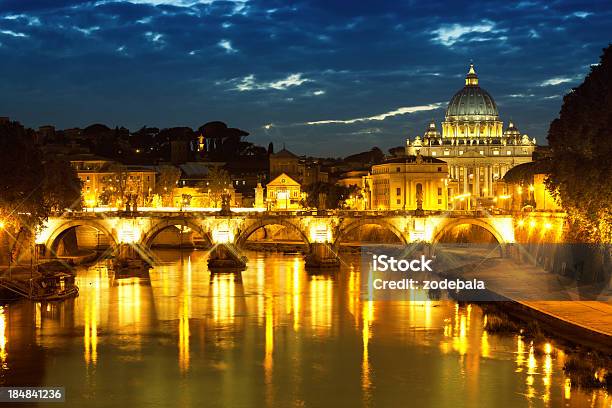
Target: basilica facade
point(474, 144)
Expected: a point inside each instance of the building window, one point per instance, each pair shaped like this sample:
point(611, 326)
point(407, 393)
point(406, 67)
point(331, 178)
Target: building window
point(447, 153)
point(439, 190)
point(509, 152)
point(439, 201)
point(460, 152)
point(398, 191)
point(434, 153)
point(482, 152)
point(397, 169)
point(439, 168)
point(399, 201)
point(495, 152)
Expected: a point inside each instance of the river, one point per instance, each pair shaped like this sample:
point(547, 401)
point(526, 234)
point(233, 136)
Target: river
point(274, 336)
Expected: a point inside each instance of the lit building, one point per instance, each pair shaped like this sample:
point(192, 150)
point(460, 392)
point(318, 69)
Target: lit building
point(284, 162)
point(526, 187)
point(305, 171)
point(473, 144)
point(408, 183)
point(283, 193)
point(100, 176)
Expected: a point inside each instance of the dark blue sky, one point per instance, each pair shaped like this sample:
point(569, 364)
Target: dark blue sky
point(326, 77)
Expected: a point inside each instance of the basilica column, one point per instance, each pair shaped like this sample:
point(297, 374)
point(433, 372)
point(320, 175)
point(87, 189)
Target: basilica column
point(486, 180)
point(490, 179)
point(465, 180)
point(477, 182)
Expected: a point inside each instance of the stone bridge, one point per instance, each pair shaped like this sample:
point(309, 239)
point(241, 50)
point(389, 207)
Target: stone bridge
point(315, 227)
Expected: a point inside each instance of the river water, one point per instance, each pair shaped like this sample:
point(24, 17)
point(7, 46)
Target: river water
point(276, 337)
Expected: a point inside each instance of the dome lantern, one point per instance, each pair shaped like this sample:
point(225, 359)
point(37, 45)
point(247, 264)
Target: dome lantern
point(471, 79)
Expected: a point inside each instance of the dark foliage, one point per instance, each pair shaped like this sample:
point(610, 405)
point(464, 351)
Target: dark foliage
point(581, 147)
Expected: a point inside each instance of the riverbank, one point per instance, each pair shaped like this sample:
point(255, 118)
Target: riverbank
point(580, 315)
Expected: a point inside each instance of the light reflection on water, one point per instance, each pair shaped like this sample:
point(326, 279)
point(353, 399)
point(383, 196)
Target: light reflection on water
point(272, 336)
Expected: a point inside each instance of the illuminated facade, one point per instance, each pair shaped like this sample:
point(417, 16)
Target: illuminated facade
point(401, 183)
point(283, 193)
point(97, 176)
point(473, 144)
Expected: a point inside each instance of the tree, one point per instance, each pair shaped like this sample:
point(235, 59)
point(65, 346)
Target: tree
point(120, 187)
point(22, 204)
point(21, 185)
point(335, 195)
point(581, 147)
point(166, 182)
point(61, 186)
point(217, 183)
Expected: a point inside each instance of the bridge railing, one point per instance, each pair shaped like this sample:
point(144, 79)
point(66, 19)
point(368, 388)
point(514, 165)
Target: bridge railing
point(478, 213)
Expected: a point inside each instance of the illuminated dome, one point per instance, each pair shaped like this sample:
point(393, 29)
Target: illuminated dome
point(472, 101)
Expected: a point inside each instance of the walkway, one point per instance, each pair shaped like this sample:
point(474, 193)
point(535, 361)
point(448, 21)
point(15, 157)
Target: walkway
point(584, 310)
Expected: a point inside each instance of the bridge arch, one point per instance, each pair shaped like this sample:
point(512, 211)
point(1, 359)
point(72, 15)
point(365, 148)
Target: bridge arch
point(56, 236)
point(149, 236)
point(251, 228)
point(360, 222)
point(448, 226)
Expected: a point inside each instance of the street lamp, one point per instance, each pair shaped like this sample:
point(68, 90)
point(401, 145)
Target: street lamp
point(2, 227)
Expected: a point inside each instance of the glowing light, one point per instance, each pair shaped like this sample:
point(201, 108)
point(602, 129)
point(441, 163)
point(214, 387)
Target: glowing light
point(3, 353)
point(531, 187)
point(521, 223)
point(547, 348)
point(184, 335)
point(222, 236)
point(462, 197)
point(548, 225)
point(2, 224)
point(320, 233)
point(128, 235)
point(532, 224)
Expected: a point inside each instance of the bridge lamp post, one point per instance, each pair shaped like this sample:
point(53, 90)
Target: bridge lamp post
point(2, 228)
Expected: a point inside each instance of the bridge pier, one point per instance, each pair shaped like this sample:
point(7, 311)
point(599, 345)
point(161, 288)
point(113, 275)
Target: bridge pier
point(226, 256)
point(322, 256)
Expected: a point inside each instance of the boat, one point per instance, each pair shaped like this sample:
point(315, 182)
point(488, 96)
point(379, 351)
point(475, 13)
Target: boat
point(63, 294)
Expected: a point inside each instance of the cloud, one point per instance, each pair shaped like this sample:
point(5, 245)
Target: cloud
point(87, 31)
point(556, 81)
point(227, 46)
point(13, 33)
point(449, 34)
point(533, 34)
point(318, 92)
point(521, 95)
point(399, 111)
point(32, 20)
point(582, 14)
point(177, 3)
point(248, 83)
point(156, 38)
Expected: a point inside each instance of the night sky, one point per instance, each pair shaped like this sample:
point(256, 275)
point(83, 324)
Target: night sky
point(328, 78)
